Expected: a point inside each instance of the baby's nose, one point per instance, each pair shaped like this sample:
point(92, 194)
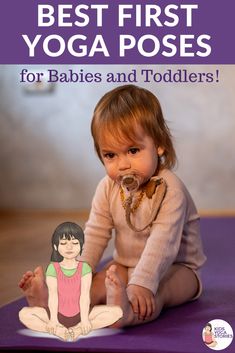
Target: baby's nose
point(124, 163)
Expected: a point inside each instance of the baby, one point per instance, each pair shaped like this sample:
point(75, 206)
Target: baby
point(158, 250)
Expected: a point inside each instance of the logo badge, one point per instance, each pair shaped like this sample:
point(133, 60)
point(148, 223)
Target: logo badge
point(217, 334)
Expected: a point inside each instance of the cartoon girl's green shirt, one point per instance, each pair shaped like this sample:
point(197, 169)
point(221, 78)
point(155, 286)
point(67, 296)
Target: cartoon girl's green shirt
point(51, 271)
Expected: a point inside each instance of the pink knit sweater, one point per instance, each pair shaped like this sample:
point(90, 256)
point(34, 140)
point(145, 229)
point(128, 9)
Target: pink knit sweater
point(174, 236)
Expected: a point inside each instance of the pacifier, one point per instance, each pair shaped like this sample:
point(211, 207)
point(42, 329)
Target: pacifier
point(130, 182)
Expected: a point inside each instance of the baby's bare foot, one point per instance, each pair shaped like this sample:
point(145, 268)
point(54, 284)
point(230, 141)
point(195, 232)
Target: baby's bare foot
point(25, 281)
point(34, 286)
point(116, 295)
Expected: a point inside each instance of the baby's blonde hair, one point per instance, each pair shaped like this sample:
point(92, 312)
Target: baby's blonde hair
point(121, 110)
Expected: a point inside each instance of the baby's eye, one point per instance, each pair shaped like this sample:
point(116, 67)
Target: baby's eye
point(75, 242)
point(134, 150)
point(109, 155)
point(63, 243)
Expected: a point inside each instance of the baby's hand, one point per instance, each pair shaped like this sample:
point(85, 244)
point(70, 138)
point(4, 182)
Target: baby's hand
point(142, 301)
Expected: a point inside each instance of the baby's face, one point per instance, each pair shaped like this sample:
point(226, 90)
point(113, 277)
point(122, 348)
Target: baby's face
point(122, 158)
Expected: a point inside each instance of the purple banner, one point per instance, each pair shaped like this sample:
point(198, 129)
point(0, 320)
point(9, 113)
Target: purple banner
point(117, 32)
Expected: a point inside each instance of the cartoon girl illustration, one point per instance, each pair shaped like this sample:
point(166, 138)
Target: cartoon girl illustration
point(69, 283)
point(208, 336)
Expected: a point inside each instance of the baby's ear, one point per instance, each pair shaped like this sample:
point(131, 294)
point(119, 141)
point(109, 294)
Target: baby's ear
point(55, 247)
point(160, 151)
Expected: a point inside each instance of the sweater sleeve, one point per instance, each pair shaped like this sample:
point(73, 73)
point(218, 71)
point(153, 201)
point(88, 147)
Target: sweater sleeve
point(98, 229)
point(163, 242)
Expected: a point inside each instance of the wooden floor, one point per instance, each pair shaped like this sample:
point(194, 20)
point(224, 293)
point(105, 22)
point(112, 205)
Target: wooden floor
point(25, 242)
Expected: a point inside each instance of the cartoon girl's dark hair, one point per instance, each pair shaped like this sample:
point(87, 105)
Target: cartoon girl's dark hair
point(209, 326)
point(66, 230)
